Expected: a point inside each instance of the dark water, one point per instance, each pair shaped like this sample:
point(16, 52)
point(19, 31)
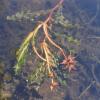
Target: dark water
point(84, 83)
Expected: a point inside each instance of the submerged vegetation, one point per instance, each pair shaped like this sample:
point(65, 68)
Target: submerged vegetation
point(59, 52)
point(41, 42)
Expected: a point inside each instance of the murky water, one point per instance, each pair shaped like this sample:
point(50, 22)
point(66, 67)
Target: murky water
point(84, 82)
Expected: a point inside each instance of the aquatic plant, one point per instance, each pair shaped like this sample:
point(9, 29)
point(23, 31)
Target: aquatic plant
point(42, 46)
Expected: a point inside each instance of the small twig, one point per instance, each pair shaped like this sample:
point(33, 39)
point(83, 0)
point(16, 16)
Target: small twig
point(95, 37)
point(86, 89)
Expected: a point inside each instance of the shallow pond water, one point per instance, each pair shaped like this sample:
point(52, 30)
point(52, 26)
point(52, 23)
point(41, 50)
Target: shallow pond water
point(83, 83)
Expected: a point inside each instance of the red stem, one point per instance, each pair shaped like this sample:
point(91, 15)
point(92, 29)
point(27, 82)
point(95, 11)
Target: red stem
point(60, 2)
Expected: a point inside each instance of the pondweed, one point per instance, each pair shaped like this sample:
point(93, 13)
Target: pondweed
point(48, 66)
